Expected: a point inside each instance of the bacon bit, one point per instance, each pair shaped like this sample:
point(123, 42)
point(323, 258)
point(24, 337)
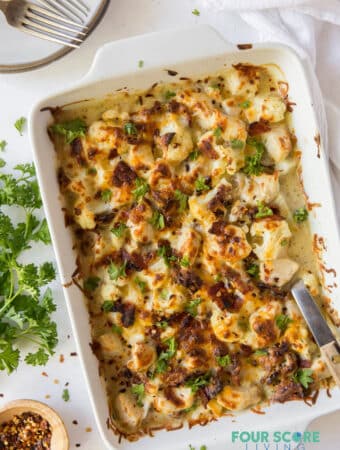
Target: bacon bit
point(317, 140)
point(128, 312)
point(257, 410)
point(123, 174)
point(172, 73)
point(223, 298)
point(257, 128)
point(61, 358)
point(207, 148)
point(63, 180)
point(1, 395)
point(44, 374)
point(73, 354)
point(113, 153)
point(328, 392)
point(167, 138)
point(77, 152)
point(75, 422)
point(244, 46)
point(188, 279)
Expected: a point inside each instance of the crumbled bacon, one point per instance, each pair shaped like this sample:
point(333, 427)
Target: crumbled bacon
point(257, 128)
point(287, 390)
point(123, 174)
point(77, 152)
point(128, 311)
point(188, 279)
point(207, 149)
point(224, 298)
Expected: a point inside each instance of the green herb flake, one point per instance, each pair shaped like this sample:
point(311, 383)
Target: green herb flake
point(92, 171)
point(236, 144)
point(192, 306)
point(142, 188)
point(261, 352)
point(3, 145)
point(300, 215)
point(218, 132)
point(106, 195)
point(169, 95)
point(185, 261)
point(245, 104)
point(282, 321)
point(141, 284)
point(165, 356)
point(164, 294)
point(196, 12)
point(253, 165)
point(263, 211)
point(91, 284)
point(116, 329)
point(304, 377)
point(194, 155)
point(157, 220)
point(130, 129)
point(140, 63)
point(139, 391)
point(200, 184)
point(182, 199)
point(20, 124)
point(253, 270)
point(66, 395)
point(71, 130)
point(162, 324)
point(119, 229)
point(197, 383)
point(223, 361)
point(108, 305)
point(117, 271)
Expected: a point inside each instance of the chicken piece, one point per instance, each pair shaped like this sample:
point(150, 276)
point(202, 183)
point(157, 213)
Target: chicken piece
point(270, 236)
point(262, 188)
point(239, 398)
point(277, 142)
point(278, 272)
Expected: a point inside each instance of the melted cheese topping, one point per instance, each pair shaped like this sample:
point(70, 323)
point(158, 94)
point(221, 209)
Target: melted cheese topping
point(178, 199)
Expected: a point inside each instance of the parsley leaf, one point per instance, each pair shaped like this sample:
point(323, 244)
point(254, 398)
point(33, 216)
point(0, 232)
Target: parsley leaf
point(66, 395)
point(236, 144)
point(196, 12)
point(282, 321)
point(165, 356)
point(139, 391)
point(106, 195)
point(141, 189)
point(182, 199)
point(253, 270)
point(20, 124)
point(261, 352)
point(115, 271)
point(107, 306)
point(169, 95)
point(3, 145)
point(194, 155)
point(185, 261)
point(191, 307)
point(91, 284)
point(200, 184)
point(71, 130)
point(141, 284)
point(38, 358)
point(223, 361)
point(253, 164)
point(300, 215)
point(119, 229)
point(304, 377)
point(162, 324)
point(263, 211)
point(245, 104)
point(117, 329)
point(140, 63)
point(130, 129)
point(218, 132)
point(196, 383)
point(157, 220)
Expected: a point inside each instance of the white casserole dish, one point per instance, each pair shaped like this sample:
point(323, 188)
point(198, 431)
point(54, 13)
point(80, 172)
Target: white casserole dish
point(190, 52)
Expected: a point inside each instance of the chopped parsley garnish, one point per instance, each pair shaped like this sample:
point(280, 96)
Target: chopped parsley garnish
point(261, 352)
point(284, 242)
point(236, 144)
point(20, 124)
point(91, 284)
point(253, 164)
point(196, 383)
point(139, 391)
point(300, 215)
point(196, 12)
point(194, 155)
point(169, 95)
point(200, 184)
point(142, 188)
point(92, 171)
point(141, 284)
point(130, 129)
point(245, 104)
point(115, 271)
point(185, 261)
point(162, 324)
point(164, 294)
point(66, 395)
point(2, 145)
point(157, 220)
point(71, 130)
point(163, 252)
point(304, 377)
point(191, 307)
point(119, 229)
point(190, 409)
point(140, 63)
point(107, 306)
point(165, 356)
point(106, 195)
point(263, 211)
point(218, 277)
point(218, 132)
point(253, 270)
point(116, 329)
point(223, 361)
point(282, 321)
point(182, 199)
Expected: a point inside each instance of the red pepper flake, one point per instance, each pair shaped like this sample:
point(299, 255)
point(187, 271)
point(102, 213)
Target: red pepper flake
point(44, 374)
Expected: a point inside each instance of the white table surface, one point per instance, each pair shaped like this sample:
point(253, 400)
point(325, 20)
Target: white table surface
point(18, 92)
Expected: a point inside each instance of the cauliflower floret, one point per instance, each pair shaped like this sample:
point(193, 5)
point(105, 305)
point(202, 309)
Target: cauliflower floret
point(231, 106)
point(140, 228)
point(110, 345)
point(271, 109)
point(277, 142)
point(239, 398)
point(127, 412)
point(227, 242)
point(84, 217)
point(143, 355)
point(262, 188)
point(140, 157)
point(244, 79)
point(175, 139)
point(272, 234)
point(264, 330)
point(227, 326)
point(169, 300)
point(177, 399)
point(188, 242)
point(278, 272)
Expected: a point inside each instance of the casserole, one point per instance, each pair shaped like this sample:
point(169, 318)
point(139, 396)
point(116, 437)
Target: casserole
point(174, 51)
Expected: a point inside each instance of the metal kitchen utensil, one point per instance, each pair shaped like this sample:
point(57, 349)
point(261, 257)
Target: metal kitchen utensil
point(42, 22)
point(73, 9)
point(329, 347)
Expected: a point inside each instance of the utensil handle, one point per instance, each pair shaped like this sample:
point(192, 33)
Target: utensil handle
point(156, 49)
point(331, 355)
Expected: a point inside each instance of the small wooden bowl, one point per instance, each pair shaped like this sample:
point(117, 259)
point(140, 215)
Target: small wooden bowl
point(59, 440)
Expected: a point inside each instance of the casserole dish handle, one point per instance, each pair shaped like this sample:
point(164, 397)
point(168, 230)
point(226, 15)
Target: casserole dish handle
point(155, 49)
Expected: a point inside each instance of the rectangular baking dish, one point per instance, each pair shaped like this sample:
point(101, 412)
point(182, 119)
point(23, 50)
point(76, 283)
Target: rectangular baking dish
point(190, 52)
